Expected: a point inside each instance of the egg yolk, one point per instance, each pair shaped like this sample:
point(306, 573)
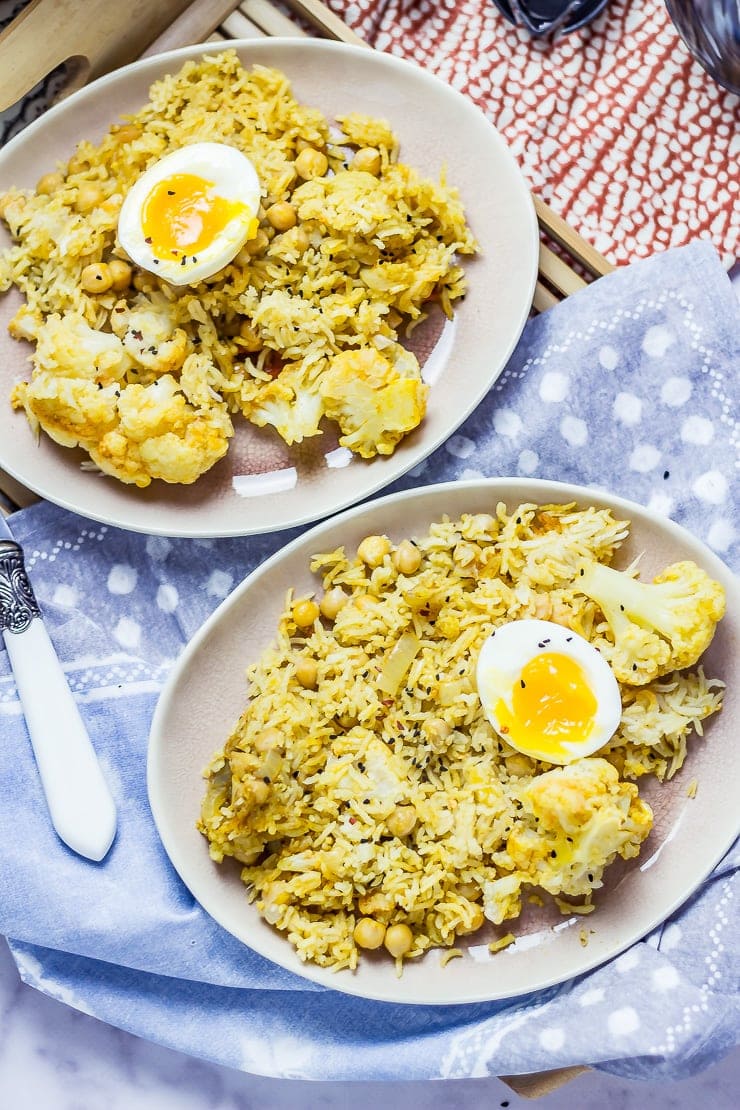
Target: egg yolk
point(183, 215)
point(551, 703)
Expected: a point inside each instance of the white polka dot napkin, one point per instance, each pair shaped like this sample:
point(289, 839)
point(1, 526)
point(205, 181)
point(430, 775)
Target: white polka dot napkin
point(631, 385)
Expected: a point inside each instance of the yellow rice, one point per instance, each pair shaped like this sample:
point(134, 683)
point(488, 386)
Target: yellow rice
point(370, 254)
point(334, 759)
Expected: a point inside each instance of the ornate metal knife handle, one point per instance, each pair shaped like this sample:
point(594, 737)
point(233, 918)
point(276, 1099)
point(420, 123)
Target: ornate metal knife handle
point(18, 606)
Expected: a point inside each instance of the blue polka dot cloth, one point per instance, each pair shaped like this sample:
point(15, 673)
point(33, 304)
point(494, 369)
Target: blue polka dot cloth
point(630, 386)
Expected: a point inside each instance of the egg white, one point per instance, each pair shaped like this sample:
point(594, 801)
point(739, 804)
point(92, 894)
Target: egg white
point(507, 651)
point(234, 178)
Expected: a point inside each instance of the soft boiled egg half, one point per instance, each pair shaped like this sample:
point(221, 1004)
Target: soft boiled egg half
point(191, 212)
point(547, 691)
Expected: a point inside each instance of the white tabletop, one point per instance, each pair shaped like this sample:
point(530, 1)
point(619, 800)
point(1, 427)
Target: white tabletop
point(53, 1058)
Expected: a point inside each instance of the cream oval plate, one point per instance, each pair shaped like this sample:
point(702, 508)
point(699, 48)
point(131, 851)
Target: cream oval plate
point(206, 693)
point(262, 485)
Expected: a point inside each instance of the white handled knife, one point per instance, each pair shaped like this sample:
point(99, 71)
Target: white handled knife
point(80, 803)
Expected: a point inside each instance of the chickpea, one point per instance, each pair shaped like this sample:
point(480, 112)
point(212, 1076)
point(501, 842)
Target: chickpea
point(476, 920)
point(519, 765)
point(401, 821)
point(76, 163)
point(398, 940)
point(144, 282)
point(248, 337)
point(373, 550)
point(49, 183)
point(436, 730)
point(121, 274)
point(311, 163)
point(407, 557)
point(256, 245)
point(259, 790)
point(369, 933)
point(306, 671)
point(96, 278)
point(269, 740)
point(282, 215)
point(367, 159)
point(305, 613)
point(88, 197)
point(332, 602)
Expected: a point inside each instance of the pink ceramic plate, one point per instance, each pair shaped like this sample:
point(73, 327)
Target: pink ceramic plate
point(206, 693)
point(262, 485)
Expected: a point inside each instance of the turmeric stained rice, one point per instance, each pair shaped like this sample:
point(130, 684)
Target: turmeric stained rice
point(364, 791)
point(303, 325)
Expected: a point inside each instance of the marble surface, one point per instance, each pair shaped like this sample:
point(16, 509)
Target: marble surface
point(53, 1058)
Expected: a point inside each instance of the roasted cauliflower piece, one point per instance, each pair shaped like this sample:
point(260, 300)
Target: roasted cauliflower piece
point(160, 435)
point(578, 818)
point(149, 336)
point(653, 628)
point(374, 404)
point(291, 403)
point(72, 410)
point(68, 346)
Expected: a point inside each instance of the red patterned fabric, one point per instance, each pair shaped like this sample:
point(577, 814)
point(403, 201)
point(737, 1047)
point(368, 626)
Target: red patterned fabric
point(615, 126)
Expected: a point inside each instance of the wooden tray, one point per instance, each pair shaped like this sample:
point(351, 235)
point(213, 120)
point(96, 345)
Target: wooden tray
point(49, 34)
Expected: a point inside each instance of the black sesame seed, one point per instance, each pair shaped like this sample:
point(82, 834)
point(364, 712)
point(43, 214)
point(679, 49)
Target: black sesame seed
point(522, 683)
point(582, 572)
point(266, 778)
point(568, 639)
point(590, 877)
point(170, 192)
point(148, 239)
point(621, 608)
point(666, 474)
point(553, 853)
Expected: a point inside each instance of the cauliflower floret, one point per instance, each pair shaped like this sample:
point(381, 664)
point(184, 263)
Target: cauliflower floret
point(149, 336)
point(291, 403)
point(374, 404)
point(502, 898)
point(26, 322)
point(161, 436)
point(71, 410)
point(67, 345)
point(657, 627)
point(581, 817)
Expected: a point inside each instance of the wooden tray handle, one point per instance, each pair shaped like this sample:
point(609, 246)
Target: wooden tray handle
point(94, 36)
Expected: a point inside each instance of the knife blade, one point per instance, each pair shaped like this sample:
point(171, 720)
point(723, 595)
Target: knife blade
point(80, 804)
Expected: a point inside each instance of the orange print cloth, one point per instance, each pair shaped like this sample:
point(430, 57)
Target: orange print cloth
point(615, 126)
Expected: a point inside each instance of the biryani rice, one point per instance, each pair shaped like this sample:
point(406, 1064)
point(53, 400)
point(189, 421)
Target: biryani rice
point(310, 789)
point(369, 255)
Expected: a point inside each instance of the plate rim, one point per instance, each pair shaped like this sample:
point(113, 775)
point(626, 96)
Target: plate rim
point(155, 63)
point(550, 488)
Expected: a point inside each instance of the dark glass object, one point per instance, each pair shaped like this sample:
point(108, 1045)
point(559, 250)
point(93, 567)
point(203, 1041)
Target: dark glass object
point(711, 31)
point(548, 18)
